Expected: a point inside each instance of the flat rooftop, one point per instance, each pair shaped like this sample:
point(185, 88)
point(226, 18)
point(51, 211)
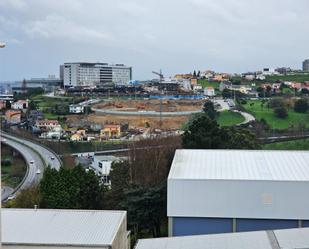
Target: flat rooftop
point(288, 239)
point(262, 165)
point(60, 227)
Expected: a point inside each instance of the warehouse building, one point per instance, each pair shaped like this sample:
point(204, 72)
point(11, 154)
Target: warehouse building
point(45, 228)
point(287, 239)
point(221, 191)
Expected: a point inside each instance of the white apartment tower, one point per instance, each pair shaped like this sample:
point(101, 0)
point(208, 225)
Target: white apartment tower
point(83, 74)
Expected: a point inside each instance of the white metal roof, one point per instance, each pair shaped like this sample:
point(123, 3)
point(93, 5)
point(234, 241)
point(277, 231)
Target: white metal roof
point(285, 239)
point(60, 227)
point(241, 165)
point(250, 240)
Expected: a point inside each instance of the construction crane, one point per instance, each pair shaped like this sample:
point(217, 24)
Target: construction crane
point(160, 81)
point(159, 74)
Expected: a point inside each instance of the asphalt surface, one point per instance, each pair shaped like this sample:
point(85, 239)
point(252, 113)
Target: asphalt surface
point(36, 164)
point(6, 192)
point(144, 113)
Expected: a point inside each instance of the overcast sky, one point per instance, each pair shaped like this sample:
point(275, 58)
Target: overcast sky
point(177, 36)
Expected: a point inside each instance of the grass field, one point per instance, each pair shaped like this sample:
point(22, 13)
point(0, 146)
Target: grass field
point(289, 145)
point(228, 118)
point(206, 83)
point(297, 78)
point(293, 119)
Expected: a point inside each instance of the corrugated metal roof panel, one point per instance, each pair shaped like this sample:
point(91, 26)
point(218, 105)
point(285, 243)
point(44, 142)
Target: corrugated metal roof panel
point(241, 165)
point(285, 239)
point(252, 240)
point(60, 227)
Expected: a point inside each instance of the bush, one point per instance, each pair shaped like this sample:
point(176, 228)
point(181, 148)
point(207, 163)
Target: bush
point(301, 106)
point(276, 102)
point(281, 112)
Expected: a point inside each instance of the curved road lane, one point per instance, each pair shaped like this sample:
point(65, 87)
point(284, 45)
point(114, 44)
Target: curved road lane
point(37, 158)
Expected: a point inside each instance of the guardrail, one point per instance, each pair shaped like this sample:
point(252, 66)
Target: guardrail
point(37, 143)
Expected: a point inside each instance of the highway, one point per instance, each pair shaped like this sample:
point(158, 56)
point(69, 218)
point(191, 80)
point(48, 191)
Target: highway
point(36, 157)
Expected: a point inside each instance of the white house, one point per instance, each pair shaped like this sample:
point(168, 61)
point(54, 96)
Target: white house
point(209, 91)
point(20, 105)
point(76, 108)
point(102, 165)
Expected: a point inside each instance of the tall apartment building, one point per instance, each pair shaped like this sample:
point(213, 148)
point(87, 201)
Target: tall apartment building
point(306, 65)
point(83, 74)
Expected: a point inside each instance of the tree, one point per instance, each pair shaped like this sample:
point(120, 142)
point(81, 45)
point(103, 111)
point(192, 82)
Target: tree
point(304, 91)
point(145, 208)
point(281, 112)
point(276, 102)
point(209, 109)
point(28, 198)
point(71, 188)
point(301, 105)
point(204, 133)
point(240, 139)
point(194, 74)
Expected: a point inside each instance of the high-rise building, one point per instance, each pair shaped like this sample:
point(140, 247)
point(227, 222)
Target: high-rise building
point(306, 65)
point(83, 74)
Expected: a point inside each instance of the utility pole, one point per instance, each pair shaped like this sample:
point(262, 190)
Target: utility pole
point(161, 95)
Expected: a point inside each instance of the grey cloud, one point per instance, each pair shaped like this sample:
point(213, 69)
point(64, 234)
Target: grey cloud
point(225, 35)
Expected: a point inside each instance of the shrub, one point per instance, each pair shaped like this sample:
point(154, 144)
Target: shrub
point(301, 106)
point(276, 102)
point(281, 112)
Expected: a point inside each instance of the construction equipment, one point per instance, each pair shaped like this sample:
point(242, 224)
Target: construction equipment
point(159, 74)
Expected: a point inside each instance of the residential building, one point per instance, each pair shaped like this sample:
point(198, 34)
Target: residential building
point(288, 238)
point(102, 165)
point(219, 191)
point(83, 74)
point(47, 124)
point(6, 96)
point(76, 109)
point(209, 91)
point(183, 76)
point(2, 104)
point(63, 228)
point(20, 105)
point(306, 65)
point(111, 131)
point(13, 116)
point(76, 137)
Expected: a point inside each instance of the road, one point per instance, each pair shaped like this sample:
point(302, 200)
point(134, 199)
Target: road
point(144, 113)
point(5, 192)
point(36, 157)
point(248, 117)
point(46, 154)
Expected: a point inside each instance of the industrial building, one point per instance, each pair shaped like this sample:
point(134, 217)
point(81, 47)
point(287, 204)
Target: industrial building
point(220, 191)
point(84, 74)
point(46, 228)
point(306, 65)
point(272, 239)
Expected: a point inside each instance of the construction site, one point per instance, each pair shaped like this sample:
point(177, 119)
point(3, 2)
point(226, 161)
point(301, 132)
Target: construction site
point(161, 114)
